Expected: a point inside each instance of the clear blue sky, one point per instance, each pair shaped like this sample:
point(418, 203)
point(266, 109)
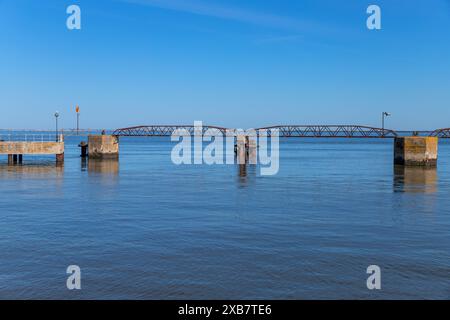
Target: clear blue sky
point(245, 63)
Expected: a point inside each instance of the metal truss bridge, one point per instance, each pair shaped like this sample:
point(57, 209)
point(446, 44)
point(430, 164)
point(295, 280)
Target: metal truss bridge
point(285, 131)
point(289, 131)
point(441, 133)
point(330, 131)
point(168, 130)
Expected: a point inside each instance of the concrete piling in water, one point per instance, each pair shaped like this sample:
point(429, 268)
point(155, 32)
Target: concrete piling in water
point(241, 149)
point(103, 146)
point(416, 151)
point(246, 149)
point(17, 149)
point(252, 149)
point(60, 158)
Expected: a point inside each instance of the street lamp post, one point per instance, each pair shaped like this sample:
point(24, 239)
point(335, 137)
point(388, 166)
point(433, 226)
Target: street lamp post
point(77, 109)
point(56, 120)
point(384, 115)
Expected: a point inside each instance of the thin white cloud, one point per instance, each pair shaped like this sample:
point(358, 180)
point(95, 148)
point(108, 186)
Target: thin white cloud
point(232, 13)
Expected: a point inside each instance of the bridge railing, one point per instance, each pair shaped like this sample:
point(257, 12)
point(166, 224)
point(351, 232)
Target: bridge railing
point(37, 132)
point(28, 137)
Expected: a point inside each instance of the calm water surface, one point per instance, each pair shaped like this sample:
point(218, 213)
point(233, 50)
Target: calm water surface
point(144, 228)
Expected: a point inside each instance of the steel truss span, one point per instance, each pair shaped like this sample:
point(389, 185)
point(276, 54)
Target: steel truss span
point(291, 131)
point(441, 133)
point(167, 131)
point(331, 131)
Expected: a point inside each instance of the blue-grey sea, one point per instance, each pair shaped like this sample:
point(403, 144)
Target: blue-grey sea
point(144, 228)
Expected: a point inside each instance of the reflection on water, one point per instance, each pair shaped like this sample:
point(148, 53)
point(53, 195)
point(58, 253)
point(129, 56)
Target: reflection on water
point(104, 166)
point(226, 232)
point(38, 170)
point(415, 179)
point(246, 174)
point(242, 170)
point(83, 164)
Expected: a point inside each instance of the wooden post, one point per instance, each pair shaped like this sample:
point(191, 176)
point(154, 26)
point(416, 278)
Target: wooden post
point(10, 159)
point(20, 158)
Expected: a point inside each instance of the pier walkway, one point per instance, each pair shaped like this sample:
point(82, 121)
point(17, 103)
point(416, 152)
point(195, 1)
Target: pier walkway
point(16, 146)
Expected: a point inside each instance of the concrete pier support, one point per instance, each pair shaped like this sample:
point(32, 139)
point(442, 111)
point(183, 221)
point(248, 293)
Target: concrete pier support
point(103, 147)
point(60, 158)
point(246, 149)
point(241, 149)
point(252, 149)
point(17, 149)
point(416, 151)
point(15, 159)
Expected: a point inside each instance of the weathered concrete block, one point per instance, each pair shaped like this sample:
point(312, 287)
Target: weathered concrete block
point(15, 148)
point(103, 147)
point(416, 151)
